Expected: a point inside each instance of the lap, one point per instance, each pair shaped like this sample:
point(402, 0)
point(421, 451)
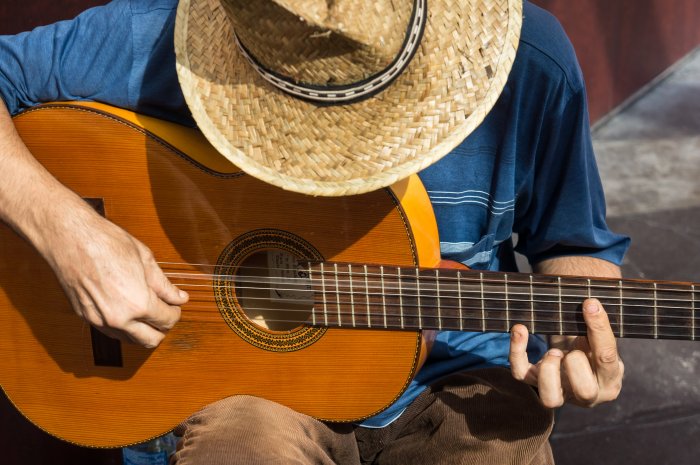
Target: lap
point(481, 416)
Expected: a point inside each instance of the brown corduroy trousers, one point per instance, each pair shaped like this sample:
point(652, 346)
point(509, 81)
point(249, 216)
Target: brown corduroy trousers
point(480, 417)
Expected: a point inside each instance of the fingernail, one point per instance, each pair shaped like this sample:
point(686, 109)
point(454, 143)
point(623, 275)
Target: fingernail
point(183, 294)
point(556, 352)
point(591, 307)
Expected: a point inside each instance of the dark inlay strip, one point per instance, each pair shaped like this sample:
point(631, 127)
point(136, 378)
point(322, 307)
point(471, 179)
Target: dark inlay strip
point(106, 351)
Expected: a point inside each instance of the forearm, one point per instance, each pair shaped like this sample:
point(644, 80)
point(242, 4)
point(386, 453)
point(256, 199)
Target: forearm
point(578, 266)
point(32, 201)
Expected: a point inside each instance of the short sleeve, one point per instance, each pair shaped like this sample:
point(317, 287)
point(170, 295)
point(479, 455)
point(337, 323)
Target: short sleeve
point(566, 210)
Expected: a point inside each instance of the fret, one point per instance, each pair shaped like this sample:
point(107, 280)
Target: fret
point(369, 307)
point(398, 275)
point(437, 291)
point(323, 295)
point(573, 292)
point(545, 297)
point(459, 299)
point(621, 327)
point(337, 294)
point(561, 310)
point(456, 301)
point(656, 315)
point(381, 278)
point(420, 307)
point(532, 307)
point(352, 296)
point(505, 288)
point(675, 311)
point(641, 302)
point(483, 303)
point(692, 302)
point(313, 309)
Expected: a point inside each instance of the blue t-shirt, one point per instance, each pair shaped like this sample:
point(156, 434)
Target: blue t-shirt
point(528, 168)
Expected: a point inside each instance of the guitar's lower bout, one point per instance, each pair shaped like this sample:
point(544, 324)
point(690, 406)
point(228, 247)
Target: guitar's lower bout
point(196, 219)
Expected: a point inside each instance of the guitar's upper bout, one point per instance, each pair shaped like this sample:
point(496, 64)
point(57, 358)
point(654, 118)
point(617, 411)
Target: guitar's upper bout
point(184, 139)
point(416, 204)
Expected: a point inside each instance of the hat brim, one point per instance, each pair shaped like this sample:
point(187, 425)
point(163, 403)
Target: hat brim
point(453, 81)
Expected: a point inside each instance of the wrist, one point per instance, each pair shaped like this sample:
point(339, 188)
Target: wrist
point(49, 218)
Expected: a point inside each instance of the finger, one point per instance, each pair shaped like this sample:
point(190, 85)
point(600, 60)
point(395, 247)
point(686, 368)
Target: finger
point(602, 341)
point(131, 332)
point(160, 315)
point(582, 382)
point(520, 366)
point(162, 286)
point(144, 334)
point(549, 379)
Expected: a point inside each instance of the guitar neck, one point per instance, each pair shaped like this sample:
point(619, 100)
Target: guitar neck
point(386, 297)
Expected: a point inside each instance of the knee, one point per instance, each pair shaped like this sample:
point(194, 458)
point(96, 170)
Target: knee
point(232, 431)
point(246, 413)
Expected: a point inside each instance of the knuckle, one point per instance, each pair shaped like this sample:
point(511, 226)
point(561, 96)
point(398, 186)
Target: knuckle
point(114, 320)
point(552, 362)
point(615, 390)
point(153, 342)
point(169, 325)
point(599, 323)
point(145, 252)
point(588, 394)
point(574, 357)
point(177, 313)
point(607, 356)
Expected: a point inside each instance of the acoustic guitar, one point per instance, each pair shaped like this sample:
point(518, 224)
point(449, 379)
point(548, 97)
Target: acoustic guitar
point(325, 305)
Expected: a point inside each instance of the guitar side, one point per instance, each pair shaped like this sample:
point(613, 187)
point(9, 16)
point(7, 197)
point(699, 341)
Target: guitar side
point(167, 187)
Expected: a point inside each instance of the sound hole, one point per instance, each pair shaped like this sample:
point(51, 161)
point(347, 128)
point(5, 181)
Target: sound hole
point(274, 290)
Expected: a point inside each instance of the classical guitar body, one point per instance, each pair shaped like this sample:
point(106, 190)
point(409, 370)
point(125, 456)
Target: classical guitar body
point(205, 221)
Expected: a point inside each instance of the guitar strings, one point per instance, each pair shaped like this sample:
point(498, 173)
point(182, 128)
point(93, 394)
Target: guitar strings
point(450, 294)
point(512, 312)
point(426, 286)
point(469, 276)
point(446, 292)
point(581, 327)
point(467, 314)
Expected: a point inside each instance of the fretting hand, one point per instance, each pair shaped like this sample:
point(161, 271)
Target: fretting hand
point(584, 371)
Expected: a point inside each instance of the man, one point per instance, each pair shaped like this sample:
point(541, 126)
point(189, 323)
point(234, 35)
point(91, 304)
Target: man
point(294, 93)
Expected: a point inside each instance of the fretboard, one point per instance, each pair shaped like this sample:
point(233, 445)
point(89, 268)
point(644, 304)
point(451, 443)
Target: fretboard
point(385, 297)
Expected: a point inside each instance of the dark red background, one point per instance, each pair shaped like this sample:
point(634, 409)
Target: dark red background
point(624, 44)
point(621, 44)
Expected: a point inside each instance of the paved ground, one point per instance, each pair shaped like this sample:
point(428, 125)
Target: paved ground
point(649, 156)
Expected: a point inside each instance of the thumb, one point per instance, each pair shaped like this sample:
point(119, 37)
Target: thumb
point(163, 288)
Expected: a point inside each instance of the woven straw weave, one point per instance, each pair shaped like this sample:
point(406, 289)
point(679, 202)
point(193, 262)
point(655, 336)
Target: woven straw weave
point(453, 81)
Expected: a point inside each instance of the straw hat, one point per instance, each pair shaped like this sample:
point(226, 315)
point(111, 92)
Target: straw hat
point(342, 97)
